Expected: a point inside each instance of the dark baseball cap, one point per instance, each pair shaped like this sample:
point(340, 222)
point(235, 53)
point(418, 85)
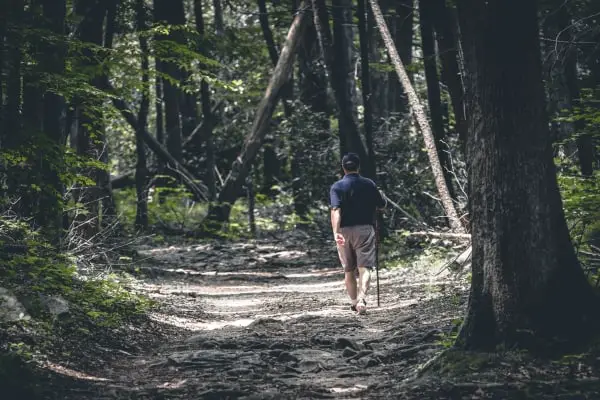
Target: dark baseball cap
point(351, 162)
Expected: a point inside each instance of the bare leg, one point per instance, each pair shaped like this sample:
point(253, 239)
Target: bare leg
point(351, 286)
point(364, 281)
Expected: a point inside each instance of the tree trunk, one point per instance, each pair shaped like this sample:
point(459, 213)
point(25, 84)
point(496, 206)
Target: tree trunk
point(172, 13)
point(449, 57)
point(141, 168)
point(219, 213)
point(160, 122)
point(343, 45)
point(13, 76)
point(339, 68)
point(527, 284)
point(421, 119)
point(218, 12)
point(403, 39)
point(251, 205)
point(434, 98)
point(557, 55)
point(90, 131)
point(270, 160)
point(206, 110)
point(3, 20)
point(54, 112)
point(312, 85)
point(364, 34)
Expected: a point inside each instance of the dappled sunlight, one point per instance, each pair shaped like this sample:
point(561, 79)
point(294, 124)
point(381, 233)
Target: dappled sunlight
point(258, 313)
point(195, 325)
point(355, 388)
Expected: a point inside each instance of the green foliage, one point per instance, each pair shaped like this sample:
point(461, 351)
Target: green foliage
point(32, 268)
point(167, 207)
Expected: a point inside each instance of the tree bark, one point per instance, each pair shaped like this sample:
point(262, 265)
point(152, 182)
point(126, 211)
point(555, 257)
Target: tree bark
point(527, 284)
point(434, 99)
point(141, 168)
point(421, 119)
point(54, 112)
point(171, 13)
point(312, 85)
point(219, 213)
point(159, 105)
point(403, 39)
point(209, 118)
point(3, 20)
point(13, 76)
point(218, 12)
point(343, 44)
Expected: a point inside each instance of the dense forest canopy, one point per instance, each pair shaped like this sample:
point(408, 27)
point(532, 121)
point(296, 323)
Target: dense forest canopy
point(132, 120)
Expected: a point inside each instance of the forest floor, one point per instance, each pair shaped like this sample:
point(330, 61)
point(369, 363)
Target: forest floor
point(269, 319)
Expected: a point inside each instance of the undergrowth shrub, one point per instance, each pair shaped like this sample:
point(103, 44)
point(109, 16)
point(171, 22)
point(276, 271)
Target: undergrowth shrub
point(34, 270)
point(173, 210)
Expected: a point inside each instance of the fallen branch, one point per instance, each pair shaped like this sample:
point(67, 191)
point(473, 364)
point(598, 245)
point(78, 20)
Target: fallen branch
point(460, 261)
point(443, 235)
point(403, 211)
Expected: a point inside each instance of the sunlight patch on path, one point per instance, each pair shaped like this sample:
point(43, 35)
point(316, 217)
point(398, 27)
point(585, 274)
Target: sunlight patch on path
point(355, 388)
point(335, 311)
point(59, 369)
point(235, 290)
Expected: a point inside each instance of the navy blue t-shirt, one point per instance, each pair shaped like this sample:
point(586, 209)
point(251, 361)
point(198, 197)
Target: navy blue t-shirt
point(358, 198)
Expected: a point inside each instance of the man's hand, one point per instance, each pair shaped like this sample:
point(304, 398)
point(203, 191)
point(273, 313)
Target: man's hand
point(339, 239)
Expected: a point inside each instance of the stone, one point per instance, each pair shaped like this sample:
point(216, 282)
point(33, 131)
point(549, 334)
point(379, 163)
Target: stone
point(55, 305)
point(342, 343)
point(11, 310)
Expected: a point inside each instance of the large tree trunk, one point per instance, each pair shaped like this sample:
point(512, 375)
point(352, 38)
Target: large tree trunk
point(527, 284)
point(219, 213)
point(421, 119)
point(434, 98)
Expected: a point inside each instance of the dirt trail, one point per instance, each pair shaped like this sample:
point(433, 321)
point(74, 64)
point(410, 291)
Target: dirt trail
point(271, 320)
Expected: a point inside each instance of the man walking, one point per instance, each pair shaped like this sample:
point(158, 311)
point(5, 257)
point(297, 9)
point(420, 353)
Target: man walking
point(354, 200)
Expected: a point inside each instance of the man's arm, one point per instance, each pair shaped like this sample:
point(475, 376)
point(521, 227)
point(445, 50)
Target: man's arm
point(380, 201)
point(336, 217)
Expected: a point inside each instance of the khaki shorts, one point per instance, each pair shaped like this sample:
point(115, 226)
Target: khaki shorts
point(359, 249)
